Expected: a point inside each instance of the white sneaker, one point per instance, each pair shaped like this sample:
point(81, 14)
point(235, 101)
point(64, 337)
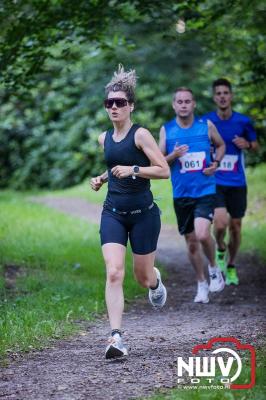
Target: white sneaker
point(116, 348)
point(216, 280)
point(202, 293)
point(158, 296)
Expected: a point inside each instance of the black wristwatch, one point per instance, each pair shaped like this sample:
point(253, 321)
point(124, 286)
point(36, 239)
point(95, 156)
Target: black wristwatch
point(135, 171)
point(218, 163)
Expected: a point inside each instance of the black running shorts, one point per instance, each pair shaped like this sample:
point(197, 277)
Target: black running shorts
point(188, 208)
point(233, 198)
point(142, 229)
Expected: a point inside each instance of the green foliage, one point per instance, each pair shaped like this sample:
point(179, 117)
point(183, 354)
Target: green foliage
point(54, 67)
point(49, 133)
point(31, 28)
point(254, 232)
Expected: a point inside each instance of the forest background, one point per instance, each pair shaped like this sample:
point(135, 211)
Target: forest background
point(57, 56)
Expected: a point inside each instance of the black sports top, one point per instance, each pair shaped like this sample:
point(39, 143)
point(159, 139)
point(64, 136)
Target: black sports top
point(126, 194)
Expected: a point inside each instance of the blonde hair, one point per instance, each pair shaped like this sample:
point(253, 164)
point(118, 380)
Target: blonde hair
point(123, 81)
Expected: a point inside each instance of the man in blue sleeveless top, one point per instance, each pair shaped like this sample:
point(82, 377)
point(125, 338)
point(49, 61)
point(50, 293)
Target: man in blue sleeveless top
point(186, 144)
point(238, 133)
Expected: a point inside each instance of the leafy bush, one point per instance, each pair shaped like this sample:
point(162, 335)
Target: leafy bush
point(48, 132)
point(48, 135)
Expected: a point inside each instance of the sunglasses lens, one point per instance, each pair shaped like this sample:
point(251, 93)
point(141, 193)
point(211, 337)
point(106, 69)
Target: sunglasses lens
point(121, 103)
point(108, 103)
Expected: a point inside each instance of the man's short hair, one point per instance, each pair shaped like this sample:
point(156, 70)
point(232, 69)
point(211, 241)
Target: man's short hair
point(183, 89)
point(221, 82)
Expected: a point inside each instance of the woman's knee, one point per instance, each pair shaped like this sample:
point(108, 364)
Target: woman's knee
point(144, 280)
point(115, 273)
point(143, 276)
point(143, 269)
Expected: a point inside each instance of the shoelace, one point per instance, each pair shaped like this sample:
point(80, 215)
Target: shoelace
point(157, 296)
point(156, 293)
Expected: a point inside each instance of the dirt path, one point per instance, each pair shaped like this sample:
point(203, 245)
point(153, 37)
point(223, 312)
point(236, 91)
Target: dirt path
point(75, 369)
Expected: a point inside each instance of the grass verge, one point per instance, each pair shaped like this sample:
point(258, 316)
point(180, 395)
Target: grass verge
point(52, 273)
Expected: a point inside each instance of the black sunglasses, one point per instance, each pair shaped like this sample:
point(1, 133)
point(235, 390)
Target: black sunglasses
point(119, 101)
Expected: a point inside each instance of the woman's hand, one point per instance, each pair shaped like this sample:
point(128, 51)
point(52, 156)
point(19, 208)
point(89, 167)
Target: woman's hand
point(122, 171)
point(96, 183)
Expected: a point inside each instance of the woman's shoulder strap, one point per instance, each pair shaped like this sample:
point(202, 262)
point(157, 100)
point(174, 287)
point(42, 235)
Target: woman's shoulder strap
point(134, 128)
point(108, 134)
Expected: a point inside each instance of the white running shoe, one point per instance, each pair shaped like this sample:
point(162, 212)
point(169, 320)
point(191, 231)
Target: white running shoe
point(202, 293)
point(216, 280)
point(115, 348)
point(158, 296)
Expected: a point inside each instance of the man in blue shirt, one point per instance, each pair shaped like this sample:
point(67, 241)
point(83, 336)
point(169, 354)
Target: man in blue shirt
point(231, 198)
point(186, 143)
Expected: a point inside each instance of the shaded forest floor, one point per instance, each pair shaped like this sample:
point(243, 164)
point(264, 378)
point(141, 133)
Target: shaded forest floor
point(75, 369)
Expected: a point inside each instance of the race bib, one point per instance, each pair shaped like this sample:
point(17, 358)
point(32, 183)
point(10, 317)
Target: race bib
point(229, 163)
point(191, 162)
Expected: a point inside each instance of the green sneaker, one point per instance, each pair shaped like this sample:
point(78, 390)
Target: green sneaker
point(220, 260)
point(231, 276)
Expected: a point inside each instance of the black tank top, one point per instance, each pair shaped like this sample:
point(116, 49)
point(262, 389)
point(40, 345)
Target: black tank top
point(126, 194)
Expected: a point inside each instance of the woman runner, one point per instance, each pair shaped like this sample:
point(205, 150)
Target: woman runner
point(129, 212)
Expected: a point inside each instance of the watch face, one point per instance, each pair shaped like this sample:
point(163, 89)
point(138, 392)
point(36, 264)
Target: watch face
point(136, 169)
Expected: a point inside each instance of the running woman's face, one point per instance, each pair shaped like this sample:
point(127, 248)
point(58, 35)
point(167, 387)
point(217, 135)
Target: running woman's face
point(119, 114)
point(222, 97)
point(184, 104)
